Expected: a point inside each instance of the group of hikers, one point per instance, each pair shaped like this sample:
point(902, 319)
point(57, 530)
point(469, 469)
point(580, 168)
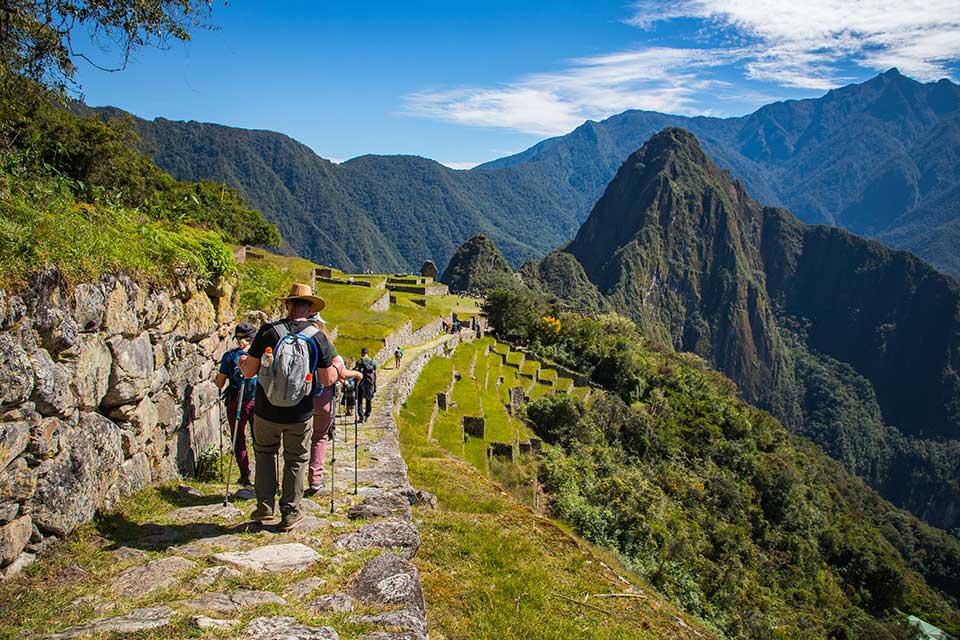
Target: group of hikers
point(450, 327)
point(284, 380)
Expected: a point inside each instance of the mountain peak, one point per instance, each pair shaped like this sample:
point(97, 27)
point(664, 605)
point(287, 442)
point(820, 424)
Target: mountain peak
point(673, 137)
point(668, 148)
point(668, 189)
point(476, 265)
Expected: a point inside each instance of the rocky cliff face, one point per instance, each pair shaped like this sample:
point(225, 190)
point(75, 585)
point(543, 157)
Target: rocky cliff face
point(104, 388)
point(673, 243)
point(843, 339)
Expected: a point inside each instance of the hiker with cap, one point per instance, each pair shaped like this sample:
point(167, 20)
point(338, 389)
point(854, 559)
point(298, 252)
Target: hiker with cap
point(229, 374)
point(367, 386)
point(288, 357)
point(323, 411)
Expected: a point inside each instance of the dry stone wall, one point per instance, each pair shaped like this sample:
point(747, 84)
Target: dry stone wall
point(406, 336)
point(382, 303)
point(104, 388)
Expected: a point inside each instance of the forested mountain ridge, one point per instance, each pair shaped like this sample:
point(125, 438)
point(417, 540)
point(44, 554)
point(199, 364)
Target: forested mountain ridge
point(878, 158)
point(844, 340)
point(380, 213)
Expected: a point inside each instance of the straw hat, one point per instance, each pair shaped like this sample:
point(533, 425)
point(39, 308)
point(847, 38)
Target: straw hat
point(304, 292)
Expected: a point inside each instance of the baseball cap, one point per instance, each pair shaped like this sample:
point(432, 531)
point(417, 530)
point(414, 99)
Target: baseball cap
point(244, 330)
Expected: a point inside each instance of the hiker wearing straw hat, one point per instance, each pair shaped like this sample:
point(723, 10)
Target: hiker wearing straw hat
point(289, 357)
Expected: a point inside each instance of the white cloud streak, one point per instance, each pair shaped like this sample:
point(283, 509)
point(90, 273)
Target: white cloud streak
point(781, 42)
point(460, 166)
point(799, 44)
point(655, 78)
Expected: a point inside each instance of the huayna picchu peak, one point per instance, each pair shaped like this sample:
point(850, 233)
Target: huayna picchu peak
point(846, 341)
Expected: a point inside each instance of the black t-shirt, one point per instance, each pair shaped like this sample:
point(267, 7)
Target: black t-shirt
point(269, 337)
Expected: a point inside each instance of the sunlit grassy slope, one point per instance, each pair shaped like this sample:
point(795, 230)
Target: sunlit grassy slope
point(483, 389)
point(491, 567)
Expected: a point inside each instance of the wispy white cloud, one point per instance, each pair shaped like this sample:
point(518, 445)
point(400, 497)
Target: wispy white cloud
point(459, 165)
point(654, 78)
point(807, 45)
point(800, 44)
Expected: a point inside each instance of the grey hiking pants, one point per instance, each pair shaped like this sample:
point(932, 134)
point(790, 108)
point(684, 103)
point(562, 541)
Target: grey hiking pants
point(296, 456)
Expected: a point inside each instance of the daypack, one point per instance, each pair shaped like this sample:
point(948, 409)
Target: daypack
point(287, 380)
point(369, 371)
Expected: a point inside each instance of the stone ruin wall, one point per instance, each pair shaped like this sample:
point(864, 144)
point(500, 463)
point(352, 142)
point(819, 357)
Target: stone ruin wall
point(405, 336)
point(105, 388)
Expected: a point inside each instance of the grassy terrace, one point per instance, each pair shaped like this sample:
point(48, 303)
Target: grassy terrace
point(546, 375)
point(479, 394)
point(529, 368)
point(491, 567)
point(348, 306)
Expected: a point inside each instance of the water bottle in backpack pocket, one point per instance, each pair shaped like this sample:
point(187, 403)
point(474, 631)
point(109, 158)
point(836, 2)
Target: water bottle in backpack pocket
point(288, 378)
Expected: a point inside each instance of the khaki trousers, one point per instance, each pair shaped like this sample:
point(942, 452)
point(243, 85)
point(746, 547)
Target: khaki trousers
point(267, 437)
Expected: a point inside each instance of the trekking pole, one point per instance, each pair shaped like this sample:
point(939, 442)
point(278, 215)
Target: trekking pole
point(233, 443)
point(333, 465)
point(356, 457)
point(221, 397)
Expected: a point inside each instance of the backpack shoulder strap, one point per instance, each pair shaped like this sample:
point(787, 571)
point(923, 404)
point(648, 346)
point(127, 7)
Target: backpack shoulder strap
point(281, 329)
point(310, 332)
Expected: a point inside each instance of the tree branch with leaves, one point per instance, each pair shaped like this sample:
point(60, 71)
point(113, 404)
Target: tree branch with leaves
point(40, 39)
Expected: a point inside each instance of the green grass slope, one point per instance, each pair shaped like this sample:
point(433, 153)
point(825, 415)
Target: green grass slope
point(492, 568)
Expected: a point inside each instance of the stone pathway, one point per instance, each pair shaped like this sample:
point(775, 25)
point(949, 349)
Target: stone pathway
point(351, 568)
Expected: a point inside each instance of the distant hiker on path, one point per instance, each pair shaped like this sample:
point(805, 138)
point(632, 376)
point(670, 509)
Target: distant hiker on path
point(288, 357)
point(231, 375)
point(323, 414)
point(349, 399)
point(397, 357)
point(367, 385)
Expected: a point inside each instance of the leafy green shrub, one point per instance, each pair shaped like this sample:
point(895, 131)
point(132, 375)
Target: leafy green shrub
point(556, 417)
point(210, 465)
point(261, 283)
point(98, 162)
point(47, 227)
point(717, 505)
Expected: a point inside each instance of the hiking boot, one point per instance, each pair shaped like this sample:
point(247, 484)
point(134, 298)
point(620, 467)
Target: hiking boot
point(317, 486)
point(290, 520)
point(245, 481)
point(260, 515)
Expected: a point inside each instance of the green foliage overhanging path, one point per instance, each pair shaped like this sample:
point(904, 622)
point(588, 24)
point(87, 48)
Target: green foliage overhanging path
point(172, 560)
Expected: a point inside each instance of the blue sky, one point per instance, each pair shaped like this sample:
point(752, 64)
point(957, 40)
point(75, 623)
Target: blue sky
point(465, 83)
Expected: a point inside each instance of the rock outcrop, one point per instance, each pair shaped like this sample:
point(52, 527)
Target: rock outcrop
point(105, 388)
point(476, 265)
